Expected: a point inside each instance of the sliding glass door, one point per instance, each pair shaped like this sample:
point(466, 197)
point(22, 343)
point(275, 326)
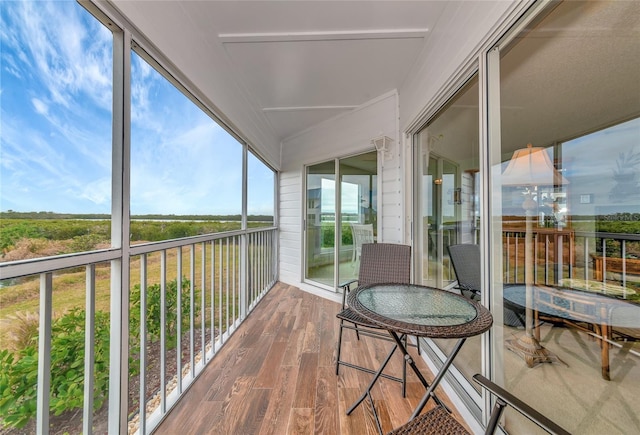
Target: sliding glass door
point(448, 183)
point(565, 162)
point(339, 216)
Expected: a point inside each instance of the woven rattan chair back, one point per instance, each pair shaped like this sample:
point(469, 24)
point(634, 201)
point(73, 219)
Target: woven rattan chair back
point(379, 263)
point(439, 421)
point(466, 264)
point(465, 259)
point(384, 262)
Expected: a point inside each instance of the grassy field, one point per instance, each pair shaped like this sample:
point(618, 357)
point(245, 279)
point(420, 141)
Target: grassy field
point(31, 238)
point(69, 286)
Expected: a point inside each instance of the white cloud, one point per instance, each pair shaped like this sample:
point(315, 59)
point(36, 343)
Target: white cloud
point(67, 58)
point(58, 145)
point(98, 191)
point(40, 106)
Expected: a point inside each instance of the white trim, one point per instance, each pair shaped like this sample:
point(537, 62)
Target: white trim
point(341, 35)
point(44, 353)
point(89, 347)
point(392, 93)
point(318, 291)
point(306, 108)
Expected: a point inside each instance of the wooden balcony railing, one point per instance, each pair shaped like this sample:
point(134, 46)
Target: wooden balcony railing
point(609, 258)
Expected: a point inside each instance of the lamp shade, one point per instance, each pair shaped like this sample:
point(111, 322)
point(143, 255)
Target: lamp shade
point(531, 166)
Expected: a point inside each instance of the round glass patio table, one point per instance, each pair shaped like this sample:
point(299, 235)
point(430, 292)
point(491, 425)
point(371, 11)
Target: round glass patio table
point(419, 310)
point(410, 309)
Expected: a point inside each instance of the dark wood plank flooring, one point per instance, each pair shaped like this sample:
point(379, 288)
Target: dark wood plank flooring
point(276, 375)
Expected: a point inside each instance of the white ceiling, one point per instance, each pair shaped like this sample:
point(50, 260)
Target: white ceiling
point(575, 72)
point(296, 63)
point(289, 65)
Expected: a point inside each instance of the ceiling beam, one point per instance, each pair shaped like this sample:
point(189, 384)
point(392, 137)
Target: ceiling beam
point(343, 35)
point(299, 108)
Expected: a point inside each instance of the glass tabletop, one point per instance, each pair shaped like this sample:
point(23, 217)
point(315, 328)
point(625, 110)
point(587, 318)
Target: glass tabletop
point(420, 310)
point(422, 306)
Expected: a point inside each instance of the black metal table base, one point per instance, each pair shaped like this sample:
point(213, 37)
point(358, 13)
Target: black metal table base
point(409, 360)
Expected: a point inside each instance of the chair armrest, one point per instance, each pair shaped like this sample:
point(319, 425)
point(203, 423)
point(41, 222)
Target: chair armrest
point(468, 288)
point(347, 284)
point(509, 399)
point(346, 288)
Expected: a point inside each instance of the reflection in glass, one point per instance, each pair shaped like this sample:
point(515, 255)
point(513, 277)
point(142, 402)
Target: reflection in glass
point(582, 258)
point(320, 222)
point(449, 184)
point(359, 205)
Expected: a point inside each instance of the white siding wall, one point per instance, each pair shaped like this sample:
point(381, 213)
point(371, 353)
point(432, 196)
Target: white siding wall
point(345, 135)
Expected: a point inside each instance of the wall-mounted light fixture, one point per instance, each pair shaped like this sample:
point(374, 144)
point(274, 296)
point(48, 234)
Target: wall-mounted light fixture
point(383, 146)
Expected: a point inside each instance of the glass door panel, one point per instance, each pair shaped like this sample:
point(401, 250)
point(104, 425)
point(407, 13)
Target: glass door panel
point(566, 188)
point(358, 205)
point(448, 195)
point(332, 242)
point(320, 223)
point(443, 180)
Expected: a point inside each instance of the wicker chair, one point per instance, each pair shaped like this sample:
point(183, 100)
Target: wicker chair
point(465, 259)
point(379, 263)
point(439, 421)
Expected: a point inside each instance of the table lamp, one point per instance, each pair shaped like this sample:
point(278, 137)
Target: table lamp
point(530, 167)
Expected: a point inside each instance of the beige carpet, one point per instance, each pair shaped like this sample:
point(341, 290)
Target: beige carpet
point(573, 394)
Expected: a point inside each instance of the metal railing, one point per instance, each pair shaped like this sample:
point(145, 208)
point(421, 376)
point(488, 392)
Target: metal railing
point(188, 298)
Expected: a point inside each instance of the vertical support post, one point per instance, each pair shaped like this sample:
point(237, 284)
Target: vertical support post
point(244, 251)
point(163, 331)
point(89, 344)
point(44, 353)
point(179, 321)
point(142, 413)
point(120, 231)
point(192, 311)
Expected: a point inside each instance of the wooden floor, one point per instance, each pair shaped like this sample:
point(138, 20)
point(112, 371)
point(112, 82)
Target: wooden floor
point(276, 375)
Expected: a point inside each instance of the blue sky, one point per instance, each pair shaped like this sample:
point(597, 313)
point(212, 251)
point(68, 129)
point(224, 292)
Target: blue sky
point(55, 126)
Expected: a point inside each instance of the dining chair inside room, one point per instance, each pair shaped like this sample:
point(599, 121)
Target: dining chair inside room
point(361, 234)
point(379, 263)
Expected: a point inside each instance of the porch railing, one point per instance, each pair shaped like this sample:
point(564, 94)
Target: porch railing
point(188, 298)
point(598, 257)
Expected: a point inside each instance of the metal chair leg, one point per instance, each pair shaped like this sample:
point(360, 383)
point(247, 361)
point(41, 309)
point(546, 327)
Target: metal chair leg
point(404, 371)
point(339, 349)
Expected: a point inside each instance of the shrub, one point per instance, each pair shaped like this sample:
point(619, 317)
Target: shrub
point(19, 365)
point(329, 234)
point(19, 370)
point(154, 310)
point(85, 242)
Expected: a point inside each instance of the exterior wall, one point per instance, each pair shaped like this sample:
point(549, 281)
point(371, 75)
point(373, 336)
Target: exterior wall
point(342, 136)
